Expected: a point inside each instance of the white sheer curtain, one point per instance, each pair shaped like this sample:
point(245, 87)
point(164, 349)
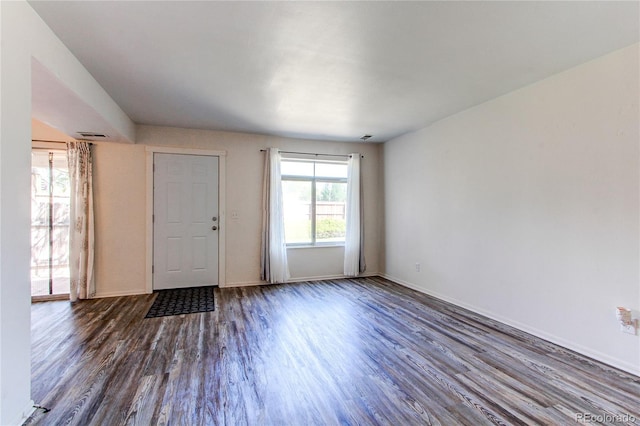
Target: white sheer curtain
point(81, 235)
point(354, 263)
point(274, 265)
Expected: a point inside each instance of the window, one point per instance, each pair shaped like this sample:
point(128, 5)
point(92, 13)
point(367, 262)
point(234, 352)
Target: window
point(314, 197)
point(50, 201)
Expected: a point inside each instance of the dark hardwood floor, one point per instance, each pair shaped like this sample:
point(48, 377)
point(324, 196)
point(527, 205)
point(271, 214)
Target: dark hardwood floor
point(353, 351)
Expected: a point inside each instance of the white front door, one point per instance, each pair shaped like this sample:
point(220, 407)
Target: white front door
point(185, 223)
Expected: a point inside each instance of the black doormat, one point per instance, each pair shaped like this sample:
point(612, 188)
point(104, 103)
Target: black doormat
point(182, 301)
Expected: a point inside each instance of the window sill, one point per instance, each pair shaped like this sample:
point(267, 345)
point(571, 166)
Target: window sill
point(316, 246)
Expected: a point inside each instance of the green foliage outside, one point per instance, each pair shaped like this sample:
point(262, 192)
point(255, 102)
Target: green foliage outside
point(328, 228)
point(332, 192)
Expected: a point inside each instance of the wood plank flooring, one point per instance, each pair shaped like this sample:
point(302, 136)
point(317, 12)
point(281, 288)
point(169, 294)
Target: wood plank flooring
point(353, 351)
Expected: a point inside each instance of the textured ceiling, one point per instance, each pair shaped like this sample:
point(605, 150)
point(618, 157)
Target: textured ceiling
point(327, 70)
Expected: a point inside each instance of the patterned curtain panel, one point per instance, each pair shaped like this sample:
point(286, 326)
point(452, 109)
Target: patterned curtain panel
point(81, 232)
point(273, 261)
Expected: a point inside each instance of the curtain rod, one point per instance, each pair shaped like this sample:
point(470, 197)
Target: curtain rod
point(64, 142)
point(42, 140)
point(313, 153)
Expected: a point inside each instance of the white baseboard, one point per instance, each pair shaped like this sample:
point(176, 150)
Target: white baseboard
point(614, 362)
point(26, 413)
point(299, 279)
point(103, 295)
point(242, 284)
point(330, 277)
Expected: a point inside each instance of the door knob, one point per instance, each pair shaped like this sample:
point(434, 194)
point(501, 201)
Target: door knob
point(215, 228)
point(214, 218)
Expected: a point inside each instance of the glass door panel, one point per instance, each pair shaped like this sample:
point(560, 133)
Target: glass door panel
point(49, 223)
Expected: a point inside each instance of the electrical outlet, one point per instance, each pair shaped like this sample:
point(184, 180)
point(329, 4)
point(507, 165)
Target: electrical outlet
point(417, 267)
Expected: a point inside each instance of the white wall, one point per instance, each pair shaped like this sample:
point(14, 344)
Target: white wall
point(119, 185)
point(24, 36)
point(119, 205)
point(44, 132)
point(15, 121)
point(525, 208)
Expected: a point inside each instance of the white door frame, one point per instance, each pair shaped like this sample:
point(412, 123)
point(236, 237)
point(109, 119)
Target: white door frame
point(222, 172)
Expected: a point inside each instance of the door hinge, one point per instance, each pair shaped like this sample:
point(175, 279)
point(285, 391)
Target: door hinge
point(153, 218)
point(153, 268)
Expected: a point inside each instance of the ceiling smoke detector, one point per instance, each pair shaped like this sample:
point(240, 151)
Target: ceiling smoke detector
point(365, 138)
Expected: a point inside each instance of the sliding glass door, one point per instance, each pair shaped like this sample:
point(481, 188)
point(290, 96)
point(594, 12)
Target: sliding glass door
point(49, 223)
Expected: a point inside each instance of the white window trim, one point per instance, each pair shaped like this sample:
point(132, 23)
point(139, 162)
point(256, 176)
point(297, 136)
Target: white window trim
point(313, 179)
